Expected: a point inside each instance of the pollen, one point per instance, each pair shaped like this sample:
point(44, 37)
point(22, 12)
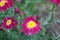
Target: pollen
point(2, 3)
point(8, 22)
point(31, 24)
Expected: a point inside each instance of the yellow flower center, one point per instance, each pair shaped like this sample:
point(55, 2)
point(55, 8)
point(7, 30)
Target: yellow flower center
point(8, 22)
point(31, 24)
point(2, 3)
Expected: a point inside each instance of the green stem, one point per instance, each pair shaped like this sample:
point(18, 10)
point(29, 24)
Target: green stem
point(50, 19)
point(51, 15)
point(21, 19)
point(52, 12)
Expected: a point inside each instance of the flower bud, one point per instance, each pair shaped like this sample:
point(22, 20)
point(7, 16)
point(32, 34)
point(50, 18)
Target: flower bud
point(16, 10)
point(22, 13)
point(37, 17)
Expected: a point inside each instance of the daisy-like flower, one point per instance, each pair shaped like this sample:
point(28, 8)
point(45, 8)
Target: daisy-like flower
point(4, 4)
point(30, 26)
point(56, 2)
point(9, 23)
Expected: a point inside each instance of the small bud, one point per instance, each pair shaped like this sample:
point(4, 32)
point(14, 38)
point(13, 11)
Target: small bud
point(16, 10)
point(37, 17)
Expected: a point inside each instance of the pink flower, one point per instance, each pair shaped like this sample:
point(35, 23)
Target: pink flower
point(37, 17)
point(56, 2)
point(9, 23)
point(30, 25)
point(16, 10)
point(4, 4)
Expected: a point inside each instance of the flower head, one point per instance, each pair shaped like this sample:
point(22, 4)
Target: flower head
point(37, 17)
point(16, 10)
point(4, 4)
point(56, 2)
point(30, 25)
point(9, 22)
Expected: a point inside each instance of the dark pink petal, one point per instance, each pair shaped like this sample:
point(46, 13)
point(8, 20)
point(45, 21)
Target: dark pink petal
point(36, 22)
point(56, 2)
point(27, 31)
point(35, 30)
point(31, 17)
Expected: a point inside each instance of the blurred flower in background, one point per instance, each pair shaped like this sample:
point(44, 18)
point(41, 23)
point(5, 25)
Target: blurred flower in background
point(4, 4)
point(9, 23)
point(16, 10)
point(30, 25)
point(56, 2)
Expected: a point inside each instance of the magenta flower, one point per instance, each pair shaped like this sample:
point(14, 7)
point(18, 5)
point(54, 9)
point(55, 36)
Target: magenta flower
point(4, 4)
point(16, 10)
point(56, 2)
point(30, 25)
point(37, 17)
point(9, 23)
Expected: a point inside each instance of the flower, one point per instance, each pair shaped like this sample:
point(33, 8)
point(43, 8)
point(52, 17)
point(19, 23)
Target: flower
point(16, 10)
point(37, 17)
point(56, 2)
point(4, 4)
point(9, 22)
point(30, 25)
